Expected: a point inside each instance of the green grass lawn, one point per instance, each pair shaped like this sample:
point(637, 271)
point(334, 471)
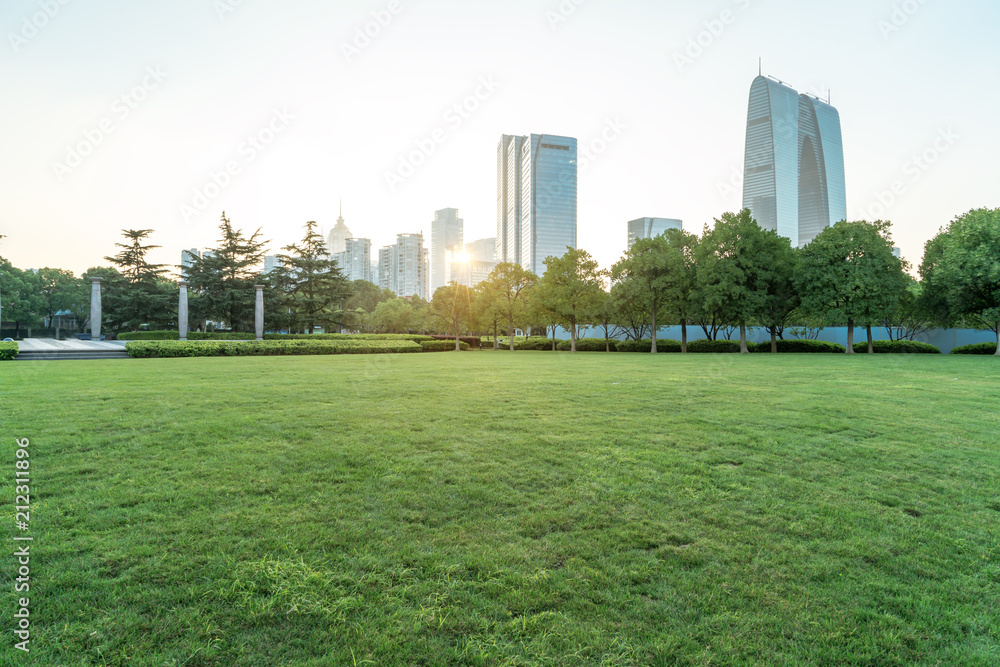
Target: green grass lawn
point(486, 508)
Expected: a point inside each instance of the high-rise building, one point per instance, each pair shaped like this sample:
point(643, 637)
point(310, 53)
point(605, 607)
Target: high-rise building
point(794, 165)
point(336, 241)
point(403, 268)
point(385, 265)
point(188, 258)
point(447, 236)
point(536, 199)
point(271, 262)
point(356, 260)
point(483, 250)
point(647, 228)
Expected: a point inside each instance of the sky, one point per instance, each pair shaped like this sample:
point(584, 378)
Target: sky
point(118, 115)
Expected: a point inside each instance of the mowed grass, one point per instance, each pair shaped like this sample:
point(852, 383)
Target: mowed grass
point(485, 508)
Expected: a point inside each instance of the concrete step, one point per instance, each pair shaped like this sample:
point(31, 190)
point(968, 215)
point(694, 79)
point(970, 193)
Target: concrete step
point(66, 356)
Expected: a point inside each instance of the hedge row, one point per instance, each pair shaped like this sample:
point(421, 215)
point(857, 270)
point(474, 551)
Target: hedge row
point(162, 349)
point(803, 346)
point(411, 337)
point(192, 335)
point(443, 345)
point(896, 347)
point(8, 351)
point(536, 343)
point(976, 348)
point(584, 345)
point(472, 341)
point(663, 345)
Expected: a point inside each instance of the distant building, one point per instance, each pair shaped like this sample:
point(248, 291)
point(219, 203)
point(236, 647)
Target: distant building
point(271, 262)
point(536, 199)
point(483, 250)
point(404, 267)
point(647, 228)
point(898, 253)
point(356, 260)
point(470, 272)
point(336, 241)
point(447, 236)
point(794, 165)
point(385, 264)
point(188, 258)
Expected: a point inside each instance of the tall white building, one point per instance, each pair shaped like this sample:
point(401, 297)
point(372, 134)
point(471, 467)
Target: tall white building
point(447, 238)
point(404, 267)
point(336, 240)
point(356, 260)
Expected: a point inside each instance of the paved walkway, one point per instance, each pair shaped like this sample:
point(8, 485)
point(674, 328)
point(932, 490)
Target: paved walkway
point(73, 345)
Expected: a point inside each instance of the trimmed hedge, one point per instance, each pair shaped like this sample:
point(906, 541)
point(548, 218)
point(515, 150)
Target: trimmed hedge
point(149, 335)
point(662, 345)
point(976, 348)
point(411, 337)
point(444, 345)
point(897, 347)
point(803, 346)
point(472, 341)
point(8, 351)
point(585, 345)
point(164, 349)
point(706, 346)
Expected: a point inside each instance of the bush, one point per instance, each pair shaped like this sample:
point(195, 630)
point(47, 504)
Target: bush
point(535, 343)
point(163, 349)
point(474, 342)
point(976, 348)
point(444, 345)
point(411, 337)
point(897, 347)
point(662, 345)
point(718, 346)
point(585, 345)
point(803, 346)
point(8, 351)
point(149, 335)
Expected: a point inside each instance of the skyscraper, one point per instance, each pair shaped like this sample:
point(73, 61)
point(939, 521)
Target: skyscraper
point(536, 199)
point(356, 260)
point(794, 165)
point(447, 238)
point(337, 239)
point(647, 228)
point(403, 267)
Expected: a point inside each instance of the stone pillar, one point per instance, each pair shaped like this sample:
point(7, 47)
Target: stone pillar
point(182, 311)
point(95, 309)
point(259, 312)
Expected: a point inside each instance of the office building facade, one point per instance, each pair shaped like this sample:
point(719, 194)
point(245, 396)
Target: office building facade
point(447, 238)
point(404, 267)
point(647, 228)
point(794, 179)
point(356, 260)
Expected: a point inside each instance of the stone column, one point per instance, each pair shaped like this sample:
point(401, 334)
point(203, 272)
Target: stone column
point(182, 311)
point(95, 309)
point(259, 312)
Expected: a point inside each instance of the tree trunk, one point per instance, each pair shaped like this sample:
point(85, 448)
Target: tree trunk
point(496, 343)
point(457, 342)
point(850, 336)
point(652, 348)
point(743, 338)
point(998, 340)
point(511, 321)
point(553, 338)
point(684, 337)
point(607, 341)
point(17, 329)
point(572, 337)
point(871, 346)
point(774, 340)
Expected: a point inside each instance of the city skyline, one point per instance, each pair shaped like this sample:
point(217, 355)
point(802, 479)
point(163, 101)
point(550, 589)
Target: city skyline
point(186, 110)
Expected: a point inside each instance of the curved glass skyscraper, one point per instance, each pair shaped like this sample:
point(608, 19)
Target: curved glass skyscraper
point(794, 169)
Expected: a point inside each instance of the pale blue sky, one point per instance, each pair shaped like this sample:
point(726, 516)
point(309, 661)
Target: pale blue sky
point(678, 130)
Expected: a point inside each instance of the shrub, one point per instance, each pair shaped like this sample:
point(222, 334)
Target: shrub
point(803, 346)
point(662, 345)
point(443, 345)
point(536, 343)
point(220, 335)
point(897, 347)
point(411, 337)
point(474, 342)
point(149, 335)
point(585, 345)
point(8, 351)
point(976, 348)
point(162, 349)
point(718, 346)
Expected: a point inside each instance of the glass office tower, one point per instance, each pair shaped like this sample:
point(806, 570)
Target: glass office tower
point(536, 199)
point(447, 238)
point(794, 165)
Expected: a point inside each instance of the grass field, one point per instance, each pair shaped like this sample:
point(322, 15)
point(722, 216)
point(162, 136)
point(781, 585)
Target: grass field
point(485, 508)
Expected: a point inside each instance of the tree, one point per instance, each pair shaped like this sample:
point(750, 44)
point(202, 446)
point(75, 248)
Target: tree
point(224, 278)
point(631, 309)
point(508, 287)
point(22, 299)
point(393, 316)
point(782, 299)
point(911, 316)
point(140, 294)
point(315, 284)
point(646, 266)
point(606, 319)
point(573, 289)
point(60, 291)
point(452, 308)
point(849, 273)
point(741, 268)
point(961, 270)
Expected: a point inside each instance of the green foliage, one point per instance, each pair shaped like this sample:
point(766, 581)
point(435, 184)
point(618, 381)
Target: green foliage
point(8, 351)
point(138, 293)
point(897, 347)
point(393, 316)
point(572, 288)
point(976, 348)
point(443, 346)
point(506, 296)
point(586, 345)
point(414, 337)
point(20, 290)
point(451, 309)
point(804, 346)
point(718, 346)
point(163, 349)
point(312, 282)
point(662, 346)
point(537, 343)
point(150, 335)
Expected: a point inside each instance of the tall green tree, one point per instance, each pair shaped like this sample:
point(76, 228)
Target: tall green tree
point(393, 316)
point(509, 286)
point(224, 278)
point(452, 310)
point(314, 282)
point(22, 301)
point(572, 289)
point(60, 291)
point(141, 294)
point(850, 274)
point(740, 269)
point(961, 271)
point(646, 266)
